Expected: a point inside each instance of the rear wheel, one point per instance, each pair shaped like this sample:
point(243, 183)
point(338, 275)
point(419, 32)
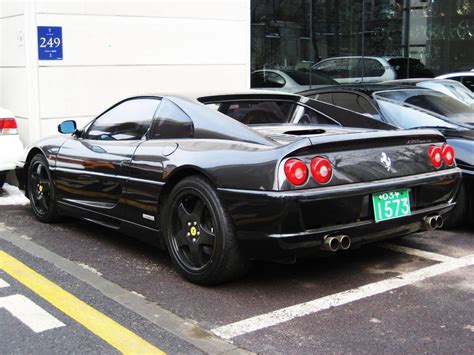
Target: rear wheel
point(41, 190)
point(199, 234)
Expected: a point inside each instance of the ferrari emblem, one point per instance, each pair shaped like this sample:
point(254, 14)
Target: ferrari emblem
point(386, 162)
point(193, 231)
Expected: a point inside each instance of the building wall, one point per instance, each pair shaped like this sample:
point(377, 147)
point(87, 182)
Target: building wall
point(13, 63)
point(112, 50)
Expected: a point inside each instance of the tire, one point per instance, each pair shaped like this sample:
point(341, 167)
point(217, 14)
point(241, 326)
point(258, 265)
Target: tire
point(41, 190)
point(459, 214)
point(3, 177)
point(199, 234)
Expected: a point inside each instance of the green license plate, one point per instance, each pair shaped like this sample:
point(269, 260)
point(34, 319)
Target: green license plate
point(390, 205)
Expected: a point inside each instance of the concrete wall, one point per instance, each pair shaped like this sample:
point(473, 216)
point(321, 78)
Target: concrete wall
point(115, 49)
point(13, 91)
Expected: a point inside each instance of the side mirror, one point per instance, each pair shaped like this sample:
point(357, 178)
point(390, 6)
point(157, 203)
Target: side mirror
point(67, 127)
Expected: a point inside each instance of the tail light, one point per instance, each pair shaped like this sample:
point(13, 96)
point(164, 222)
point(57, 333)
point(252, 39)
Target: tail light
point(448, 154)
point(436, 156)
point(296, 171)
point(321, 170)
point(8, 126)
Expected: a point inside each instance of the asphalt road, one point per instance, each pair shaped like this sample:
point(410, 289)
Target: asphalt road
point(383, 298)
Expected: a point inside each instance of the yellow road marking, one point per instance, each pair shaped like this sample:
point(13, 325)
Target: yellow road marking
point(98, 323)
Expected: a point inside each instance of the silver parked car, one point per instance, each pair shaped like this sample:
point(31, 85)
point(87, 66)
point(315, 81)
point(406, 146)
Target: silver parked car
point(361, 69)
point(289, 80)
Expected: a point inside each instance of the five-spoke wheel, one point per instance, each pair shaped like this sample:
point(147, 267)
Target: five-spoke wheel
point(41, 189)
point(199, 234)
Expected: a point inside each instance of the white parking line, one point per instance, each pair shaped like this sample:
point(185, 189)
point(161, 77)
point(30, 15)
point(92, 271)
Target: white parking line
point(3, 283)
point(286, 314)
point(29, 313)
point(417, 252)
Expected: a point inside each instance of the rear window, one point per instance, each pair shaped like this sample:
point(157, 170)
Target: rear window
point(310, 78)
point(258, 112)
point(433, 101)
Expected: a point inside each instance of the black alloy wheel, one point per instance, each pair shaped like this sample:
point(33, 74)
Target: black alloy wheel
point(199, 234)
point(41, 190)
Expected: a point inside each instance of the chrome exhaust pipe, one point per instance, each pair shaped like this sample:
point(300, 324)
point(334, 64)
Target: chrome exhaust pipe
point(330, 243)
point(433, 222)
point(344, 241)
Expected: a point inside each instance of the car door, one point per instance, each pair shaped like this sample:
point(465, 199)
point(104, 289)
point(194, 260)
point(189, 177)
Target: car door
point(92, 169)
point(153, 160)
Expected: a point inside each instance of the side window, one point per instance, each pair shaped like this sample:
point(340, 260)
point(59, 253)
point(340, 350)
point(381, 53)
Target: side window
point(171, 122)
point(354, 103)
point(267, 79)
point(468, 81)
point(129, 120)
point(273, 80)
point(309, 116)
point(339, 68)
point(323, 97)
point(371, 68)
point(257, 80)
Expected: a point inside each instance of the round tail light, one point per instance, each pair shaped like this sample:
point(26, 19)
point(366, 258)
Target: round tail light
point(321, 170)
point(448, 154)
point(436, 156)
point(296, 171)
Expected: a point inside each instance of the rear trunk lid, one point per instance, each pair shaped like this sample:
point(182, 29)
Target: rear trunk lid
point(358, 155)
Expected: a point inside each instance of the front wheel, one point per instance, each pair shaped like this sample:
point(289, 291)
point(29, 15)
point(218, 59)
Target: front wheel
point(41, 190)
point(199, 234)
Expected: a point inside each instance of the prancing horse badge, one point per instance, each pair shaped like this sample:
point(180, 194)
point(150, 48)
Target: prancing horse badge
point(386, 162)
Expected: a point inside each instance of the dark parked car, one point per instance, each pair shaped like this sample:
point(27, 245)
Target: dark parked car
point(217, 192)
point(408, 107)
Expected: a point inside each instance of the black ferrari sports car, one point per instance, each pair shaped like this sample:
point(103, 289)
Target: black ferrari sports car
point(217, 193)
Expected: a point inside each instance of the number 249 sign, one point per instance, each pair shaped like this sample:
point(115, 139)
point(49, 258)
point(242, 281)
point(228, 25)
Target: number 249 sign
point(50, 43)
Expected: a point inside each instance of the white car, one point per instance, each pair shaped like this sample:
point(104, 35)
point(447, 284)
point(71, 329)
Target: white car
point(11, 147)
point(358, 69)
point(466, 78)
point(289, 80)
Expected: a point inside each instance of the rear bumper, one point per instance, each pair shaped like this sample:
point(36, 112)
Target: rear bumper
point(278, 223)
point(12, 151)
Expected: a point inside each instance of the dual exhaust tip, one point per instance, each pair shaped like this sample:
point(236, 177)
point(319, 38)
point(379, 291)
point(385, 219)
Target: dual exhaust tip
point(434, 222)
point(335, 242)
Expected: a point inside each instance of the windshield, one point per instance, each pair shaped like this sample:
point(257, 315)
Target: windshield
point(429, 100)
point(307, 78)
point(451, 88)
